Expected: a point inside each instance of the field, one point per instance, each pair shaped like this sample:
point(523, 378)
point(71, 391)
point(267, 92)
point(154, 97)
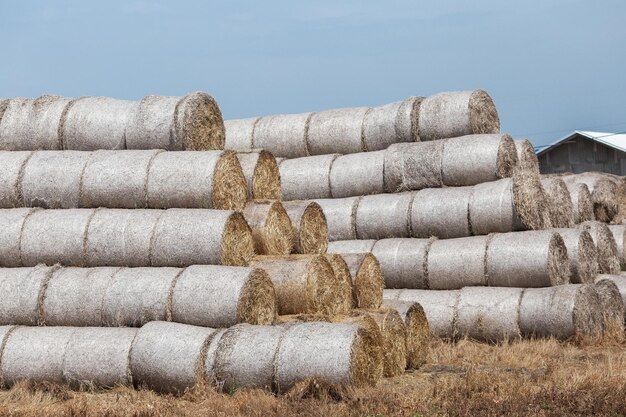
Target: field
point(537, 377)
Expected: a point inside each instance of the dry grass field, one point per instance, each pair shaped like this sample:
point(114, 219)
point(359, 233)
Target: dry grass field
point(539, 378)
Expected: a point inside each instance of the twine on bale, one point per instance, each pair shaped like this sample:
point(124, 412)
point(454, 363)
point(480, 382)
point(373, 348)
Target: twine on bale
point(582, 253)
point(582, 205)
point(342, 274)
point(417, 331)
point(271, 226)
point(608, 260)
point(23, 289)
point(383, 216)
point(11, 225)
point(560, 202)
point(262, 175)
point(367, 279)
point(612, 306)
point(313, 171)
point(394, 335)
point(340, 216)
point(310, 229)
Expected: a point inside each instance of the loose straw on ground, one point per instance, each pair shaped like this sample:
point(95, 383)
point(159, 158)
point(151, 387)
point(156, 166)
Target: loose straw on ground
point(310, 229)
point(271, 227)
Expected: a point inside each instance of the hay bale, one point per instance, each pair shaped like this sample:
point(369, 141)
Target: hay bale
point(612, 305)
point(22, 290)
point(11, 224)
point(526, 156)
point(283, 135)
point(383, 216)
point(394, 335)
point(342, 274)
point(310, 229)
point(340, 216)
point(357, 174)
point(99, 357)
point(169, 357)
point(262, 175)
point(189, 123)
point(306, 178)
point(32, 124)
point(303, 283)
point(582, 254)
point(413, 166)
point(391, 123)
point(417, 331)
point(339, 353)
point(74, 296)
point(459, 113)
point(604, 193)
point(526, 259)
point(35, 353)
point(560, 202)
point(456, 263)
point(211, 353)
point(490, 316)
point(12, 163)
point(272, 230)
point(239, 134)
point(608, 259)
point(245, 357)
point(211, 179)
point(619, 234)
point(336, 131)
point(442, 212)
point(222, 296)
point(403, 262)
point(351, 246)
point(618, 280)
point(367, 279)
point(582, 205)
point(562, 312)
point(209, 237)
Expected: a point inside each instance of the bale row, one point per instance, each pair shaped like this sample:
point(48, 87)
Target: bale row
point(202, 295)
point(361, 129)
point(192, 122)
point(604, 193)
point(119, 237)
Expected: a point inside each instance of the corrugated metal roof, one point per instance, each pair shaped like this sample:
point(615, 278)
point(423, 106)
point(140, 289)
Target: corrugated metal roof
point(614, 140)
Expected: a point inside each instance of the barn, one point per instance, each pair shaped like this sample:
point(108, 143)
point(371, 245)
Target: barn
point(584, 151)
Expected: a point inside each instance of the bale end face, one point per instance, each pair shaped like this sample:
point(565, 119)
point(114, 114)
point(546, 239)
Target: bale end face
point(417, 336)
point(393, 331)
point(507, 157)
point(277, 231)
point(366, 365)
point(201, 121)
point(229, 190)
point(483, 113)
point(324, 287)
point(587, 313)
point(266, 178)
point(342, 274)
point(587, 261)
point(257, 301)
point(558, 261)
point(612, 307)
point(585, 204)
point(313, 230)
point(369, 284)
point(529, 199)
point(237, 246)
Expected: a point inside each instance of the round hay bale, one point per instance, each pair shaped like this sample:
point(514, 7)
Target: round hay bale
point(206, 237)
point(22, 290)
point(189, 123)
point(342, 274)
point(582, 206)
point(403, 262)
point(456, 263)
point(272, 230)
point(367, 279)
point(118, 237)
point(35, 353)
point(526, 156)
point(74, 296)
point(11, 225)
point(99, 357)
point(12, 163)
point(489, 314)
point(340, 216)
point(619, 280)
point(604, 193)
point(262, 175)
point(357, 174)
point(32, 124)
point(351, 246)
point(562, 312)
point(55, 236)
point(169, 357)
point(334, 352)
point(303, 283)
point(310, 229)
point(443, 213)
point(222, 296)
point(608, 259)
point(211, 353)
point(413, 166)
point(283, 135)
point(211, 179)
point(527, 259)
point(612, 305)
point(383, 216)
point(459, 113)
point(137, 296)
point(245, 357)
point(394, 332)
point(239, 134)
point(417, 331)
point(391, 123)
point(52, 179)
point(619, 234)
point(582, 254)
point(337, 131)
point(560, 207)
point(306, 178)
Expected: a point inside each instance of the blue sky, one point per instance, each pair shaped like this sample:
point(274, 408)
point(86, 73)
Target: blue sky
point(552, 66)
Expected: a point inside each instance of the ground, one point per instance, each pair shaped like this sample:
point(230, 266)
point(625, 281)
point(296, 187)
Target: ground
point(538, 378)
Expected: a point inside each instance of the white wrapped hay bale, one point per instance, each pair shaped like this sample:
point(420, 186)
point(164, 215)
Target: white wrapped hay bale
point(284, 135)
point(336, 131)
point(612, 305)
point(12, 163)
point(458, 113)
point(391, 123)
point(351, 246)
point(310, 229)
point(239, 134)
point(340, 216)
point(582, 254)
point(11, 224)
point(22, 290)
point(442, 212)
point(560, 202)
point(383, 216)
point(608, 258)
point(169, 357)
point(456, 263)
point(367, 279)
point(357, 174)
point(619, 234)
point(417, 330)
point(306, 178)
point(260, 169)
point(272, 230)
point(413, 166)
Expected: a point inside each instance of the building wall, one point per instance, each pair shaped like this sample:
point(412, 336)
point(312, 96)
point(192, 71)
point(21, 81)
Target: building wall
point(582, 155)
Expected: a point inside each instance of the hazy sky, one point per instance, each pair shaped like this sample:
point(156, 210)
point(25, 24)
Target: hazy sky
point(552, 66)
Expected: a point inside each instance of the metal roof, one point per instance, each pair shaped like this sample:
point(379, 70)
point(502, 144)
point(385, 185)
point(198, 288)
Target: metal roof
point(614, 140)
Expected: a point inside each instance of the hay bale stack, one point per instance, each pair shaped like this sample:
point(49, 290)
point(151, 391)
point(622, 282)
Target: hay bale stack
point(262, 175)
point(417, 331)
point(336, 131)
point(303, 283)
point(342, 274)
point(459, 113)
point(560, 202)
point(32, 124)
point(357, 174)
point(22, 290)
point(526, 156)
point(383, 216)
point(582, 205)
point(239, 134)
point(306, 178)
point(340, 353)
point(394, 335)
point(391, 123)
point(11, 223)
point(526, 259)
point(169, 357)
point(582, 253)
point(12, 163)
point(604, 193)
point(612, 305)
point(444, 212)
point(457, 263)
point(340, 216)
point(563, 312)
point(283, 135)
point(619, 234)
point(367, 280)
point(608, 258)
point(272, 230)
point(310, 229)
